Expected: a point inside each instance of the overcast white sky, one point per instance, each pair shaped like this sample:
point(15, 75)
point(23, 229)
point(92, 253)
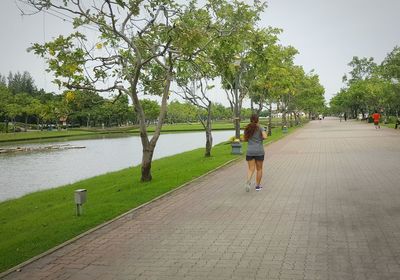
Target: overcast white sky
point(327, 34)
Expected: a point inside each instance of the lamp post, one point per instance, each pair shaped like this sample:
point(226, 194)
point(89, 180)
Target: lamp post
point(236, 145)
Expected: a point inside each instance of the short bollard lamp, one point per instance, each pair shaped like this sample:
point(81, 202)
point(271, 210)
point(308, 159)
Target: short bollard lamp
point(80, 198)
point(236, 147)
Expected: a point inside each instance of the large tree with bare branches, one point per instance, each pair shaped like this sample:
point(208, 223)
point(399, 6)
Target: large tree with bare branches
point(138, 46)
point(194, 79)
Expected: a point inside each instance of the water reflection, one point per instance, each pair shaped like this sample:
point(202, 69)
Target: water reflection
point(22, 173)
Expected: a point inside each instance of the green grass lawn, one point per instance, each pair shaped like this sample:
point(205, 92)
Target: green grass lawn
point(390, 125)
point(30, 135)
point(90, 132)
point(198, 126)
point(34, 223)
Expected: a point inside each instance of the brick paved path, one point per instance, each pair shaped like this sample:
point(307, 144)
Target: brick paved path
point(330, 209)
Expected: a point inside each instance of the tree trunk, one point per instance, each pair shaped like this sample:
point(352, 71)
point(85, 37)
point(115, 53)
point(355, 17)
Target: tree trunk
point(296, 119)
point(260, 107)
point(209, 139)
point(148, 146)
point(236, 117)
point(270, 120)
point(26, 123)
point(284, 121)
point(146, 164)
point(6, 124)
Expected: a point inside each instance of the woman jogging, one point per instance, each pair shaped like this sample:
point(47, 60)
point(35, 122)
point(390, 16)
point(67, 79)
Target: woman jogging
point(254, 134)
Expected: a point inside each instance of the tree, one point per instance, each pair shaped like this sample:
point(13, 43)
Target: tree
point(390, 69)
point(361, 87)
point(3, 81)
point(262, 58)
point(80, 104)
point(6, 99)
point(138, 46)
point(220, 112)
point(283, 77)
point(193, 78)
point(151, 110)
point(24, 101)
point(13, 110)
point(196, 94)
point(362, 69)
point(18, 83)
point(48, 113)
point(35, 109)
point(181, 112)
point(121, 109)
point(240, 18)
point(310, 96)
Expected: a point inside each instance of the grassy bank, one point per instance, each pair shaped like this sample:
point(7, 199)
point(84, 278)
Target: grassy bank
point(199, 127)
point(389, 125)
point(91, 132)
point(83, 133)
point(39, 221)
point(32, 135)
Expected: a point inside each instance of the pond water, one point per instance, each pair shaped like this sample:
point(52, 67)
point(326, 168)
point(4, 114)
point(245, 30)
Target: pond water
point(22, 173)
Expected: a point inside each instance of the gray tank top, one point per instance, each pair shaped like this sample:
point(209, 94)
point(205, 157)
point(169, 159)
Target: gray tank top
point(255, 144)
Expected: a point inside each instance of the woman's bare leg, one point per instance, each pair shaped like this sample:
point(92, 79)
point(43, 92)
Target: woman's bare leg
point(251, 169)
point(259, 167)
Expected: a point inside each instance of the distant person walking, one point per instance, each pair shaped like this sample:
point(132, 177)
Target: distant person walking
point(254, 134)
point(345, 117)
point(376, 116)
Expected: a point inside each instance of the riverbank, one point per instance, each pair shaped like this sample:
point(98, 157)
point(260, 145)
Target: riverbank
point(39, 221)
point(102, 154)
point(39, 149)
point(87, 133)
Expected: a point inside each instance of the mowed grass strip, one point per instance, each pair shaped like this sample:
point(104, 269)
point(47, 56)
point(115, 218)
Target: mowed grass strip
point(83, 133)
point(193, 127)
point(20, 136)
point(199, 127)
point(34, 223)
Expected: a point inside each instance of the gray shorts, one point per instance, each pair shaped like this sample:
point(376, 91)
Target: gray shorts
point(257, 158)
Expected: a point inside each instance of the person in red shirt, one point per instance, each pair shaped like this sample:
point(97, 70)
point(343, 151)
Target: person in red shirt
point(376, 116)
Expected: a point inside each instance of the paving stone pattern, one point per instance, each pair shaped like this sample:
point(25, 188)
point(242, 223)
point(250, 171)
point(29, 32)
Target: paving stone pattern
point(330, 209)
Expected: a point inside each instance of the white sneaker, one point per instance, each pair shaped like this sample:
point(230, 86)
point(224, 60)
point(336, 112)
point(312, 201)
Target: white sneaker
point(247, 186)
